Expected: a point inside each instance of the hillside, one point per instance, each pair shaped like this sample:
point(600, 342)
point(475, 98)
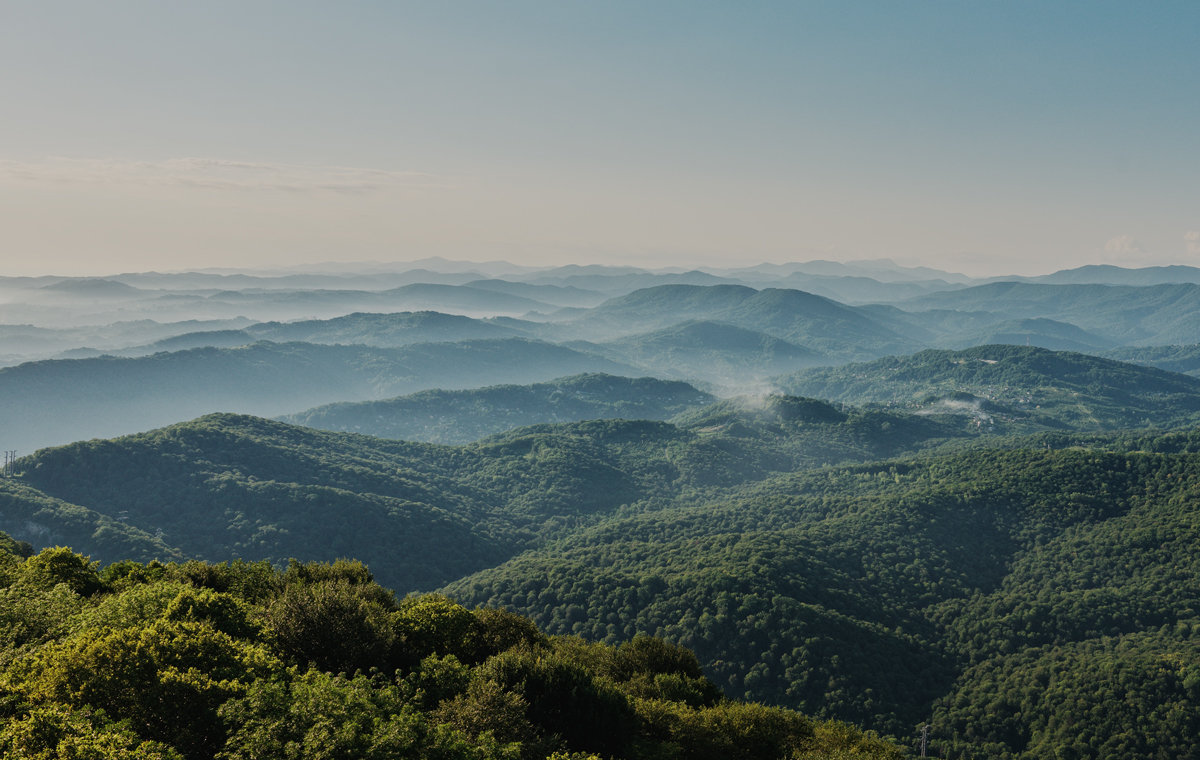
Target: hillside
point(55, 402)
point(1013, 388)
point(241, 662)
point(441, 416)
point(945, 590)
point(420, 514)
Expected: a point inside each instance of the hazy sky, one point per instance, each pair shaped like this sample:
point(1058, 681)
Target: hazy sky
point(985, 137)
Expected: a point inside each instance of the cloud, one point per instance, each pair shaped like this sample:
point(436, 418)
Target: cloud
point(1192, 238)
point(216, 174)
point(1122, 247)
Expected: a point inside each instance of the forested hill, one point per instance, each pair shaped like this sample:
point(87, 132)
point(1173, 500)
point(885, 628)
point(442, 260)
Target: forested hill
point(1018, 388)
point(1029, 603)
point(228, 486)
point(244, 662)
point(1009, 595)
point(462, 416)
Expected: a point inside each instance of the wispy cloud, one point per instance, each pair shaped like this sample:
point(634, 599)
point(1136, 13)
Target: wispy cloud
point(217, 174)
point(1122, 247)
point(1192, 238)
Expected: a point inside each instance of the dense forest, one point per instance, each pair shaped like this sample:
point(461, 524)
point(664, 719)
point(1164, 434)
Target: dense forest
point(242, 661)
point(995, 544)
point(916, 591)
point(1004, 594)
point(421, 515)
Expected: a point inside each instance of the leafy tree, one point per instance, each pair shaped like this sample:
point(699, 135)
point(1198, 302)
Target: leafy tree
point(334, 624)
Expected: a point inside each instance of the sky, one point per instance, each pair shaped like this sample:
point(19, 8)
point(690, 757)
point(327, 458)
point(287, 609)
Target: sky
point(1003, 137)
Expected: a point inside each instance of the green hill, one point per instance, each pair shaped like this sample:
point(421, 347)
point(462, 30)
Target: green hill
point(1031, 598)
point(1024, 602)
point(442, 416)
point(240, 662)
point(1013, 388)
point(227, 486)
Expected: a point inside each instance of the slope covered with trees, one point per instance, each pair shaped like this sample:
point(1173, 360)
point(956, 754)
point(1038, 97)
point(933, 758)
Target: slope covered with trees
point(1024, 600)
point(228, 486)
point(1013, 388)
point(196, 662)
point(1033, 597)
point(442, 416)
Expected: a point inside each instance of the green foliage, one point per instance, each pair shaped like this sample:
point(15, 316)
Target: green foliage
point(565, 700)
point(30, 616)
point(334, 625)
point(420, 515)
point(167, 680)
point(883, 593)
point(316, 716)
point(157, 664)
point(11, 546)
point(50, 567)
point(433, 624)
point(55, 732)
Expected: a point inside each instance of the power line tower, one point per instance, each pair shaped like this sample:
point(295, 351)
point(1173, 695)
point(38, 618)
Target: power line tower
point(10, 463)
point(924, 738)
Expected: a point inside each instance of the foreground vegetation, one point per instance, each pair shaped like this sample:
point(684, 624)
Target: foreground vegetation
point(238, 661)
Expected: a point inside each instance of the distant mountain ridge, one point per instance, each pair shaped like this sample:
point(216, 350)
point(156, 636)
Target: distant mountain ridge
point(792, 315)
point(58, 401)
point(462, 416)
point(1126, 315)
point(724, 355)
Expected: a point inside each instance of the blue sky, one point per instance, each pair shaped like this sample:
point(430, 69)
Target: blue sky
point(980, 137)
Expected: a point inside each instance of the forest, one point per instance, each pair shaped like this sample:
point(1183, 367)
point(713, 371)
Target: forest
point(883, 569)
point(991, 547)
point(240, 661)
